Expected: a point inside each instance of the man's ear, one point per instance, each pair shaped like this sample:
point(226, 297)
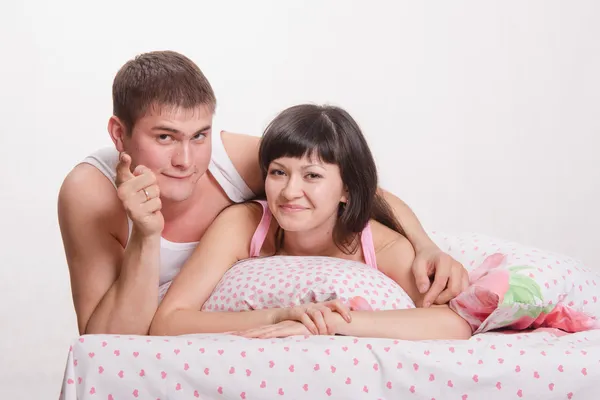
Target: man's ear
point(117, 132)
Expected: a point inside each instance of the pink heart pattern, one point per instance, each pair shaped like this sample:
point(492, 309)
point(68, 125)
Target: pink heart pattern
point(317, 279)
point(490, 365)
point(390, 368)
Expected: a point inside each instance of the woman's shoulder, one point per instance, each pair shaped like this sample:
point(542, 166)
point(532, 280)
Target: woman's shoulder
point(386, 240)
point(247, 214)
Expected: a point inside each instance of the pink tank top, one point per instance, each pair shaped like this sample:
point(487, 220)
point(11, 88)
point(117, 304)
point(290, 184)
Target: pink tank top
point(366, 238)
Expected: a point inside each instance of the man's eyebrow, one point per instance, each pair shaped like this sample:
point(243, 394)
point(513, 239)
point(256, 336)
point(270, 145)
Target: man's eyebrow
point(176, 131)
point(165, 128)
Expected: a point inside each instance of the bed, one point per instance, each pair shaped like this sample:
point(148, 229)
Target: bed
point(542, 364)
point(516, 351)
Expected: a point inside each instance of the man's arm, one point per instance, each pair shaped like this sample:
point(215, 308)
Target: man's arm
point(114, 290)
point(415, 233)
point(449, 277)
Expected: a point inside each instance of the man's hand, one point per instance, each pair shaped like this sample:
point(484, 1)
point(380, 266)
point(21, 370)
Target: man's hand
point(450, 278)
point(140, 195)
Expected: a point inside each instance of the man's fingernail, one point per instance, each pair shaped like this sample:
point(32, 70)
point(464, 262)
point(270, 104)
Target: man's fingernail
point(427, 304)
point(423, 288)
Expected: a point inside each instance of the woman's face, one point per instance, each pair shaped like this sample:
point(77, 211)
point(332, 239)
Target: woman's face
point(304, 193)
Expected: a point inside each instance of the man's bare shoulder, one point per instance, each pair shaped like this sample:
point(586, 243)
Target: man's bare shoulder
point(87, 195)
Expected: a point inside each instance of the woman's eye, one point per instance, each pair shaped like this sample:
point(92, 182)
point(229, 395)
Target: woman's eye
point(276, 172)
point(313, 176)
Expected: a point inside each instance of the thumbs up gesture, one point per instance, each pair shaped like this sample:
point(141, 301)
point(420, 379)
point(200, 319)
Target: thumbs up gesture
point(140, 195)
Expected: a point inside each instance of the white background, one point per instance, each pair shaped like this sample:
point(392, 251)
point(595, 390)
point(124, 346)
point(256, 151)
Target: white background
point(483, 116)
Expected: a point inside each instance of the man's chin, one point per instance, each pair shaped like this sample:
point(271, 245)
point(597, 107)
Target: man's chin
point(175, 197)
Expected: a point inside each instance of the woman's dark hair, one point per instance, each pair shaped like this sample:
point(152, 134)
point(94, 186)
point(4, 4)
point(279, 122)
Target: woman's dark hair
point(330, 134)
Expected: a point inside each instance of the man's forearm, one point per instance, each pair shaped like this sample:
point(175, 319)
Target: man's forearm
point(415, 232)
point(129, 305)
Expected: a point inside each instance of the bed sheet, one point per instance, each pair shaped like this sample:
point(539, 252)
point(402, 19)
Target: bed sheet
point(542, 364)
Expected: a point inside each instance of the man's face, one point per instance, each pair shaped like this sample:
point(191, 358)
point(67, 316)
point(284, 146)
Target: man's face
point(176, 145)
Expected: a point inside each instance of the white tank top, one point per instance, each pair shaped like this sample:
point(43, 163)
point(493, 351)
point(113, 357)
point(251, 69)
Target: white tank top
point(173, 255)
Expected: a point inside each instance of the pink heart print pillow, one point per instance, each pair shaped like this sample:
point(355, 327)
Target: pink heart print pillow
point(285, 281)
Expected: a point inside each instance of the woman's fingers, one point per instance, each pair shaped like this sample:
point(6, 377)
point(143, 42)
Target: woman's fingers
point(340, 308)
point(316, 316)
point(309, 324)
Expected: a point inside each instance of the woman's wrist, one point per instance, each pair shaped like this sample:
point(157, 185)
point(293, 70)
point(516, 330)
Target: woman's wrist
point(277, 315)
point(336, 324)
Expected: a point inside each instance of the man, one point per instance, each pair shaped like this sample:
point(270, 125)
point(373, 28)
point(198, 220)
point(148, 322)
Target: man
point(131, 216)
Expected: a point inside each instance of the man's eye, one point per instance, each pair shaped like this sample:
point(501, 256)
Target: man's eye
point(199, 136)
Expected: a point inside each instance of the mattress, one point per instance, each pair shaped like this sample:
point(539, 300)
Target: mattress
point(540, 364)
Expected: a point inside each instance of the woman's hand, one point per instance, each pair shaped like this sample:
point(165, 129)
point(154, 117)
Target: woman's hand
point(313, 316)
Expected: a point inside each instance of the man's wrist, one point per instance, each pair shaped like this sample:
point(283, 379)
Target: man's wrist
point(144, 239)
point(424, 243)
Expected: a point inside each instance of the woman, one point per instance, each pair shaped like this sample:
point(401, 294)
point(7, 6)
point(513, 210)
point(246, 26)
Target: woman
point(321, 190)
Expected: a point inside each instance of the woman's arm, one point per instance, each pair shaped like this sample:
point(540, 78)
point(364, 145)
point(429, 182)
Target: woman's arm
point(433, 323)
point(395, 256)
point(225, 242)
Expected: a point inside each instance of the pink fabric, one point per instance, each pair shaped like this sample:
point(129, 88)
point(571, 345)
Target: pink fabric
point(366, 239)
point(483, 304)
point(262, 229)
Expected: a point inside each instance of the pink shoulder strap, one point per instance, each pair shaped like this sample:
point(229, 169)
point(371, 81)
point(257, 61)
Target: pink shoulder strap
point(261, 230)
point(366, 239)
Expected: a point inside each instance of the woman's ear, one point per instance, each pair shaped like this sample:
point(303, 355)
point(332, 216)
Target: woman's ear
point(344, 198)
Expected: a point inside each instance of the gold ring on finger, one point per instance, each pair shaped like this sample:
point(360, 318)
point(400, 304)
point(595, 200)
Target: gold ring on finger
point(147, 195)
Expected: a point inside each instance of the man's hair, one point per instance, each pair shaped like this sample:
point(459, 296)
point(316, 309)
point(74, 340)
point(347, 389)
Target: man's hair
point(156, 80)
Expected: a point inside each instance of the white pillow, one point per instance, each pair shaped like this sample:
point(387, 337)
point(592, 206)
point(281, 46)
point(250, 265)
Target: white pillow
point(284, 281)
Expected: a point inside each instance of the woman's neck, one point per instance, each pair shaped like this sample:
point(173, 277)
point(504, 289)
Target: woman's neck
point(316, 242)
